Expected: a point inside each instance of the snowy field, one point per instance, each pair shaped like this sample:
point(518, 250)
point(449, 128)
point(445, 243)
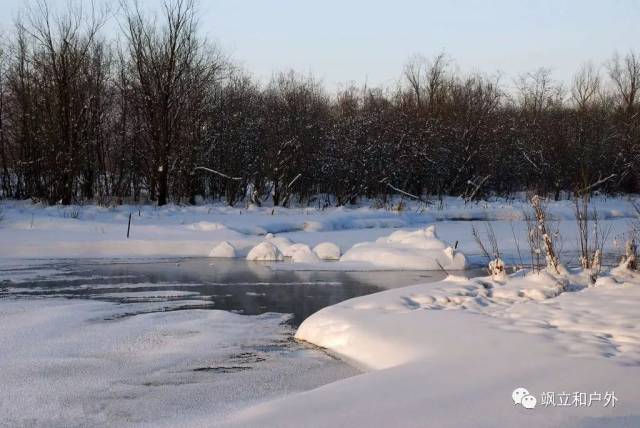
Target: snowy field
point(446, 354)
point(34, 231)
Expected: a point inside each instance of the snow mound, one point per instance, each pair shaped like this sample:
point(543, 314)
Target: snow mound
point(327, 251)
point(420, 250)
point(300, 253)
point(223, 250)
point(281, 243)
point(292, 249)
point(536, 286)
point(265, 251)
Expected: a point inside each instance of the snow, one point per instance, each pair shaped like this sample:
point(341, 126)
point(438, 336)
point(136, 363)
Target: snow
point(420, 249)
point(327, 251)
point(70, 368)
point(35, 231)
point(430, 350)
point(301, 253)
point(80, 363)
point(265, 251)
point(446, 354)
point(280, 242)
point(223, 250)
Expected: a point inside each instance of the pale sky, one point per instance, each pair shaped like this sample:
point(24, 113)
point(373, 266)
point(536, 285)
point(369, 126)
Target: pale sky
point(342, 41)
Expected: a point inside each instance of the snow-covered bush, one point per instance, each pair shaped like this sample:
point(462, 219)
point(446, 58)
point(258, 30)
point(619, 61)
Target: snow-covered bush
point(541, 238)
point(629, 260)
point(630, 257)
point(497, 270)
point(591, 236)
point(496, 267)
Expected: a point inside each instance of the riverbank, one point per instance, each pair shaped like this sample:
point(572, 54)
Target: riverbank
point(30, 230)
point(450, 354)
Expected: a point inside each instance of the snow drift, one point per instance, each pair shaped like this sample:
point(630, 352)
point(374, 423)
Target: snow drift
point(420, 250)
point(466, 344)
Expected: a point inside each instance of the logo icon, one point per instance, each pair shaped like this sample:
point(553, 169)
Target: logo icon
point(522, 397)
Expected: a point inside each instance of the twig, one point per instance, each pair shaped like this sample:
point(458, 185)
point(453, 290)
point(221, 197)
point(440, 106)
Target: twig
point(477, 187)
point(294, 180)
point(384, 181)
point(515, 239)
point(597, 183)
point(442, 268)
point(476, 236)
point(221, 174)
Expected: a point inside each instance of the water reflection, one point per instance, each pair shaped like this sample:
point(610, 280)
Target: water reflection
point(249, 288)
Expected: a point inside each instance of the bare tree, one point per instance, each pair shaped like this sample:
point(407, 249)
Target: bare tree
point(152, 116)
point(56, 51)
point(428, 80)
point(5, 179)
point(538, 91)
point(170, 69)
point(625, 74)
point(586, 87)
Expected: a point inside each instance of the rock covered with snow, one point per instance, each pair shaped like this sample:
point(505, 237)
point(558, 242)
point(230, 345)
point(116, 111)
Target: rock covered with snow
point(420, 250)
point(327, 251)
point(265, 251)
point(223, 250)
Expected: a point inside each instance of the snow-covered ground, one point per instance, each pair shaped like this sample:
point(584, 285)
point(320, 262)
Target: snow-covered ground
point(84, 349)
point(446, 354)
point(450, 354)
point(28, 230)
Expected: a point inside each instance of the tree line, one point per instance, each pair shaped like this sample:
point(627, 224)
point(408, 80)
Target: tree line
point(158, 113)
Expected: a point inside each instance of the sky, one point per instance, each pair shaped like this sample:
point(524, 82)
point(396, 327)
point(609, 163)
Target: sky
point(342, 41)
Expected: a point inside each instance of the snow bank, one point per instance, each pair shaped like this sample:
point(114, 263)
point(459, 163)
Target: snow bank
point(327, 251)
point(478, 295)
point(34, 231)
point(420, 249)
point(432, 349)
point(265, 251)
